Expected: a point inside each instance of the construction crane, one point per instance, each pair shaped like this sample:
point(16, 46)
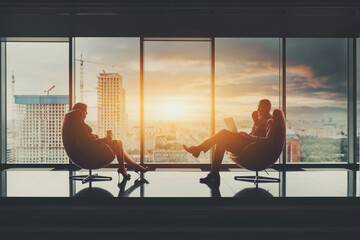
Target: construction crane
point(48, 91)
point(13, 116)
point(81, 60)
point(81, 79)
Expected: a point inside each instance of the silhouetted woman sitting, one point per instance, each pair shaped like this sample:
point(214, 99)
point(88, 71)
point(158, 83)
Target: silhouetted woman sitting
point(86, 138)
point(234, 142)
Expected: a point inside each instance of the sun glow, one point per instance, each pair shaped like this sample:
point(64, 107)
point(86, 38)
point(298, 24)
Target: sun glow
point(172, 110)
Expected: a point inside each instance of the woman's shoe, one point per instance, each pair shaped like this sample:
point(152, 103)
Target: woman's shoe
point(124, 174)
point(212, 177)
point(141, 170)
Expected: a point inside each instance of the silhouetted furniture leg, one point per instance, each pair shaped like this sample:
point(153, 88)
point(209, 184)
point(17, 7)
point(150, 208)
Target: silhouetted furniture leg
point(256, 179)
point(90, 177)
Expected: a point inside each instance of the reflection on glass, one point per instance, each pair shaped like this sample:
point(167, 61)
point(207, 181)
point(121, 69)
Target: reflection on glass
point(108, 81)
point(316, 100)
point(247, 70)
point(37, 100)
point(177, 100)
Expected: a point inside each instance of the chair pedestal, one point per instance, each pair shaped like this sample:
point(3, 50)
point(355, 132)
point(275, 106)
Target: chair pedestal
point(90, 178)
point(256, 179)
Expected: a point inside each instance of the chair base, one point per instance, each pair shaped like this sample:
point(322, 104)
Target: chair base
point(90, 178)
point(257, 179)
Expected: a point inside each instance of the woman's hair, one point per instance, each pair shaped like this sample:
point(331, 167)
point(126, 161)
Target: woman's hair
point(80, 106)
point(266, 104)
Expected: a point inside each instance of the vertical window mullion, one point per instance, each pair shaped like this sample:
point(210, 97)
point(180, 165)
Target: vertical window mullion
point(352, 98)
point(283, 86)
point(212, 122)
point(3, 128)
point(3, 178)
point(142, 100)
point(72, 185)
point(282, 103)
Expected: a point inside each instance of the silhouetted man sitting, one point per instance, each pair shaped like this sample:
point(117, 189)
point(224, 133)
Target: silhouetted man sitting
point(234, 142)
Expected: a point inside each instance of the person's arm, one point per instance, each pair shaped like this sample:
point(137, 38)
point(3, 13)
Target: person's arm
point(105, 140)
point(86, 137)
point(267, 137)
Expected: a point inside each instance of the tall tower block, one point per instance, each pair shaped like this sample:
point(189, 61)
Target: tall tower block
point(38, 128)
point(111, 105)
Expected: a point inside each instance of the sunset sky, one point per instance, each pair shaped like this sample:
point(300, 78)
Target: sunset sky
point(177, 75)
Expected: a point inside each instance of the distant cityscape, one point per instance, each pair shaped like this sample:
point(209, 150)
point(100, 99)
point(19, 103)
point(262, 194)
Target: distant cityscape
point(34, 135)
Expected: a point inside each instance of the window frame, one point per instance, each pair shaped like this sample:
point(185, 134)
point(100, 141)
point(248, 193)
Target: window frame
point(282, 165)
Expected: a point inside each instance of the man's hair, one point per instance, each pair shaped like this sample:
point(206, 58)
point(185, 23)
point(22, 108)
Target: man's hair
point(80, 106)
point(266, 104)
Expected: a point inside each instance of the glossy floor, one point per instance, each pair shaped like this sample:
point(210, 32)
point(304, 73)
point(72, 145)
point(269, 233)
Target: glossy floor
point(179, 183)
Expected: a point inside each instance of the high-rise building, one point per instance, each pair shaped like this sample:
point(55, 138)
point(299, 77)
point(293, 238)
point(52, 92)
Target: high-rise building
point(111, 105)
point(293, 146)
point(38, 123)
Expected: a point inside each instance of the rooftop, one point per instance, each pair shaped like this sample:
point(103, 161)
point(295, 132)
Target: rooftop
point(41, 99)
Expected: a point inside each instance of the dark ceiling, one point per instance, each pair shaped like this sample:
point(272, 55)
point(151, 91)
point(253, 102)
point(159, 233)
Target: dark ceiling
point(175, 18)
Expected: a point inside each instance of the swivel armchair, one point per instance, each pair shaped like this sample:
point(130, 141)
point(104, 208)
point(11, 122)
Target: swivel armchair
point(91, 157)
point(258, 156)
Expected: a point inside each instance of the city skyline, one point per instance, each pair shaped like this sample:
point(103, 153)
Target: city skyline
point(246, 71)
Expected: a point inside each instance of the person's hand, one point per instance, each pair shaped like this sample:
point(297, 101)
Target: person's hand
point(109, 136)
point(255, 116)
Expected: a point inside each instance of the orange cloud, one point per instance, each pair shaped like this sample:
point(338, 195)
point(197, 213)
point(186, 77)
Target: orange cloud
point(303, 76)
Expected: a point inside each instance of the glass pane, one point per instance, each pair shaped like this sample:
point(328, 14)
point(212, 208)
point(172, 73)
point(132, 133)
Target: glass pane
point(177, 100)
point(109, 70)
point(37, 100)
point(316, 100)
point(247, 70)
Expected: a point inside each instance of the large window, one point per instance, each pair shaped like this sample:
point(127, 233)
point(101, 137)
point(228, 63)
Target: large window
point(37, 100)
point(316, 72)
point(177, 94)
point(247, 70)
point(107, 79)
point(177, 99)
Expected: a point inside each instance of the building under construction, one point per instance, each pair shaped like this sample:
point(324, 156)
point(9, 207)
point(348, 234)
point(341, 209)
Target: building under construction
point(38, 128)
point(111, 105)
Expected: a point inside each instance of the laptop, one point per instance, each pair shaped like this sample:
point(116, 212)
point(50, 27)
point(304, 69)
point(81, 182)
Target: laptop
point(230, 124)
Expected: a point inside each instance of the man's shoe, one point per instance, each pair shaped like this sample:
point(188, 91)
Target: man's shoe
point(212, 177)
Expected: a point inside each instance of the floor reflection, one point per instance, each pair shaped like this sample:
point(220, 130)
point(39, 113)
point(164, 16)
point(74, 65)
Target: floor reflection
point(94, 192)
point(176, 183)
point(255, 192)
point(137, 184)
